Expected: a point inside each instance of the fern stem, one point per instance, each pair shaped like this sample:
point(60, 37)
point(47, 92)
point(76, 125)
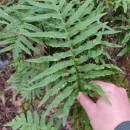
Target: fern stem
point(71, 48)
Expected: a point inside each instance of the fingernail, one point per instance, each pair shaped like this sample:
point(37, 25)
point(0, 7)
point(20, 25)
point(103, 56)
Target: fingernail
point(79, 95)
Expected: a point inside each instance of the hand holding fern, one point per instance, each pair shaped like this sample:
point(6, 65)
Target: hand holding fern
point(105, 116)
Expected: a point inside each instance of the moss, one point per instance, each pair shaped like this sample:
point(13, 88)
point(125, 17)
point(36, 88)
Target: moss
point(79, 118)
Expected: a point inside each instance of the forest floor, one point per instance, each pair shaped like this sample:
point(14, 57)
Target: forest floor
point(10, 102)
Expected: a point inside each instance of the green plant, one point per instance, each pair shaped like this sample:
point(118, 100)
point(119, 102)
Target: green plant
point(118, 17)
point(122, 25)
point(117, 4)
point(32, 122)
point(126, 33)
point(74, 32)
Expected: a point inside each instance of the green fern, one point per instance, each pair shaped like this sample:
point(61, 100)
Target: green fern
point(75, 31)
point(117, 4)
point(123, 3)
point(31, 122)
point(11, 36)
point(20, 79)
point(124, 36)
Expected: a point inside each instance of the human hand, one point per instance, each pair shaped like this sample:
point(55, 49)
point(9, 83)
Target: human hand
point(105, 116)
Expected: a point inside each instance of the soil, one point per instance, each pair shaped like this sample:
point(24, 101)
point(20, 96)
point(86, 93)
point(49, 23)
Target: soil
point(8, 109)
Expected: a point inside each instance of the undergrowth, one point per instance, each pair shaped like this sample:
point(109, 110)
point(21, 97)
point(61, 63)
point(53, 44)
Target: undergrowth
point(71, 33)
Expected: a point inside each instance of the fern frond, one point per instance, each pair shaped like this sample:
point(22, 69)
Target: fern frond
point(60, 85)
point(96, 74)
point(17, 42)
point(45, 34)
point(73, 32)
point(21, 78)
point(41, 5)
point(54, 69)
point(63, 95)
point(5, 16)
point(55, 57)
point(32, 122)
point(41, 17)
point(72, 19)
point(76, 30)
point(68, 104)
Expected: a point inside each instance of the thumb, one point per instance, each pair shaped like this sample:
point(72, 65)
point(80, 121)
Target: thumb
point(88, 105)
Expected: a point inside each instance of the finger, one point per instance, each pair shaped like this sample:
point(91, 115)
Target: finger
point(88, 105)
point(107, 87)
